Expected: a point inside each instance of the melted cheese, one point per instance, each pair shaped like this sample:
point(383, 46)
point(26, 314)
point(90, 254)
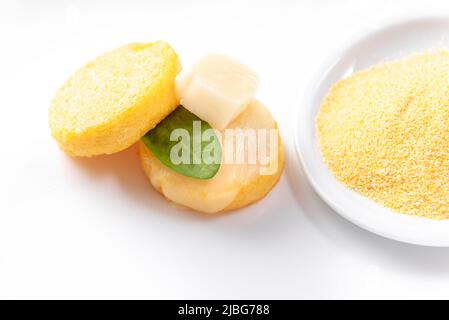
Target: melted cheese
point(215, 194)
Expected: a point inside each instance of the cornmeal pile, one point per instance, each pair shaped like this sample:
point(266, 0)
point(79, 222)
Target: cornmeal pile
point(384, 132)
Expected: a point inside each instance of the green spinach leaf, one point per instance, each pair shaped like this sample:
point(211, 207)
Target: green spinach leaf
point(185, 144)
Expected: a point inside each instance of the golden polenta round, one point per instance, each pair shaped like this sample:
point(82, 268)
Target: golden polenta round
point(234, 186)
point(111, 102)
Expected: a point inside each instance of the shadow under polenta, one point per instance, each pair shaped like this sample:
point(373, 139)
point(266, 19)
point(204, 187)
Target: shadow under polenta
point(125, 168)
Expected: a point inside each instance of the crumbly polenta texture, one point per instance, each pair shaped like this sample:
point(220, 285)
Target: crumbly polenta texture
point(112, 101)
point(384, 132)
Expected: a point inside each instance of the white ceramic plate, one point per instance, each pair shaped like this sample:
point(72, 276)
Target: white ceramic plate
point(385, 43)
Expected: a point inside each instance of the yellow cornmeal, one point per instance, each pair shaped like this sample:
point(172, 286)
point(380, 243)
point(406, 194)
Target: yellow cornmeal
point(384, 132)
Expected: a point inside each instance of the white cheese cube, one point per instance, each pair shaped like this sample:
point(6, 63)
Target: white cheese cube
point(216, 89)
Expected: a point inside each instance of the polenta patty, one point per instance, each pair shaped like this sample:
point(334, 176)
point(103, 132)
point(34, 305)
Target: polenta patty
point(111, 102)
point(234, 186)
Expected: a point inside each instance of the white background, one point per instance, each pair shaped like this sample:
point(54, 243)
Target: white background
point(95, 228)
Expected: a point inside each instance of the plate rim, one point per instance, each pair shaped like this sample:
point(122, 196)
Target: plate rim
point(310, 90)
